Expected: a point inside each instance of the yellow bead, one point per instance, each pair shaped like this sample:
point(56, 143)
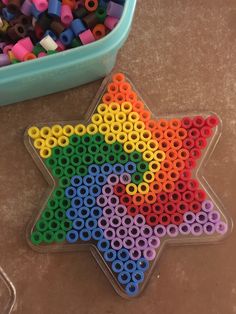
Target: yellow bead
point(133, 136)
point(51, 142)
point(154, 166)
point(148, 155)
point(121, 137)
point(127, 126)
point(139, 126)
point(159, 155)
point(34, 132)
point(116, 127)
point(133, 117)
point(97, 118)
point(56, 130)
point(80, 129)
point(39, 143)
point(110, 138)
point(109, 118)
point(148, 176)
point(143, 188)
point(45, 152)
point(141, 146)
point(120, 117)
point(126, 107)
point(11, 55)
point(92, 128)
point(129, 147)
point(114, 107)
point(102, 109)
point(68, 130)
point(104, 128)
point(63, 141)
point(152, 145)
point(45, 132)
point(145, 135)
point(131, 189)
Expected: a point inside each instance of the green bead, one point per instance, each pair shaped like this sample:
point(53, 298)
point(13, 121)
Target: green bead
point(14, 61)
point(47, 214)
point(93, 149)
point(99, 159)
point(111, 158)
point(63, 161)
point(69, 171)
point(98, 138)
point(66, 225)
point(52, 204)
point(36, 237)
point(86, 139)
point(57, 151)
point(37, 49)
point(80, 149)
point(74, 140)
point(64, 182)
point(75, 43)
point(101, 14)
point(51, 162)
point(58, 193)
point(41, 225)
point(48, 236)
point(60, 236)
point(60, 214)
point(64, 203)
point(105, 148)
point(122, 158)
point(137, 177)
point(68, 150)
point(51, 52)
point(58, 172)
point(142, 166)
point(135, 156)
point(75, 160)
point(87, 159)
point(116, 148)
point(53, 225)
point(82, 170)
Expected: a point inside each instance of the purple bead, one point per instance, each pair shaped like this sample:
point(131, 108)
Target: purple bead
point(209, 228)
point(141, 243)
point(160, 231)
point(108, 211)
point(107, 190)
point(103, 222)
point(2, 45)
point(113, 200)
point(125, 178)
point(115, 221)
point(135, 253)
point(196, 229)
point(112, 179)
point(114, 9)
point(172, 230)
point(207, 206)
point(201, 217)
point(120, 210)
point(121, 232)
point(221, 227)
point(109, 233)
point(146, 231)
point(134, 231)
point(149, 253)
point(128, 243)
point(4, 59)
point(101, 200)
point(189, 217)
point(26, 7)
point(184, 228)
point(139, 220)
point(154, 242)
point(116, 243)
point(214, 216)
point(127, 221)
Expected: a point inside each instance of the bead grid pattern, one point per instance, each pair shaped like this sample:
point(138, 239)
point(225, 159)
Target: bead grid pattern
point(125, 183)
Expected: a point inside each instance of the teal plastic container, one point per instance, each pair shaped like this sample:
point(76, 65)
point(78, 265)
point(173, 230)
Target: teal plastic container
point(67, 69)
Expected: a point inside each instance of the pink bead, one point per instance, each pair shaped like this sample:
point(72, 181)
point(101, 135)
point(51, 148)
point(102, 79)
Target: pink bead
point(7, 48)
point(149, 253)
point(41, 5)
point(26, 43)
point(86, 37)
point(66, 14)
point(60, 46)
point(42, 54)
point(5, 2)
point(19, 51)
point(110, 22)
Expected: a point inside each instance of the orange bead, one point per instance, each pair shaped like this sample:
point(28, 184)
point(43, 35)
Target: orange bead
point(174, 124)
point(171, 154)
point(178, 164)
point(138, 106)
point(173, 175)
point(166, 165)
point(119, 97)
point(91, 5)
point(164, 145)
point(124, 87)
point(70, 3)
point(157, 135)
point(169, 134)
point(151, 125)
point(150, 198)
point(168, 186)
point(99, 31)
point(107, 98)
point(161, 176)
point(131, 96)
point(183, 154)
point(181, 133)
point(156, 187)
point(162, 124)
point(145, 115)
point(176, 144)
point(29, 56)
point(113, 87)
point(138, 199)
point(118, 78)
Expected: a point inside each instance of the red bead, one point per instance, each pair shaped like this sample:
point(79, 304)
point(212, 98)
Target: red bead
point(169, 208)
point(181, 186)
point(198, 122)
point(192, 184)
point(200, 195)
point(195, 153)
point(162, 197)
point(164, 219)
point(206, 131)
point(152, 220)
point(193, 133)
point(126, 199)
point(185, 175)
point(188, 143)
point(157, 208)
point(200, 143)
point(177, 218)
point(182, 207)
point(190, 163)
point(119, 189)
point(132, 210)
point(175, 196)
point(188, 196)
point(195, 207)
point(145, 209)
point(186, 122)
point(212, 121)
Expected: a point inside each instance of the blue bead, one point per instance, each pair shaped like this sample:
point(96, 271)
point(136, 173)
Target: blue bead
point(95, 190)
point(106, 169)
point(72, 236)
point(77, 27)
point(51, 34)
point(130, 266)
point(66, 37)
point(83, 212)
point(101, 179)
point(89, 201)
point(34, 11)
point(91, 223)
point(130, 167)
point(82, 191)
point(118, 169)
point(71, 213)
point(76, 181)
point(54, 8)
point(70, 192)
point(103, 245)
point(142, 264)
point(7, 15)
point(76, 202)
point(138, 276)
point(124, 277)
point(110, 255)
point(85, 235)
point(123, 255)
point(97, 234)
point(103, 3)
point(117, 266)
point(78, 224)
point(96, 212)
point(88, 180)
point(132, 288)
point(93, 169)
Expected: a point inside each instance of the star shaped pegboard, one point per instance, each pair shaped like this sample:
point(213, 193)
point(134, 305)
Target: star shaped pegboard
point(125, 183)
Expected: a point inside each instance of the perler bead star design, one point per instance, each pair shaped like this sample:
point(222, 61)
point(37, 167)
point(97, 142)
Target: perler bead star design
point(126, 183)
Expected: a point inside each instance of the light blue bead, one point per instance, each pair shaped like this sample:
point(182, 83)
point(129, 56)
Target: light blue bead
point(97, 234)
point(103, 245)
point(72, 236)
point(110, 255)
point(77, 27)
point(117, 266)
point(132, 288)
point(124, 277)
point(85, 235)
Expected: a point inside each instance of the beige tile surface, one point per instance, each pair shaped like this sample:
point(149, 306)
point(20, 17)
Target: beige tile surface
point(182, 55)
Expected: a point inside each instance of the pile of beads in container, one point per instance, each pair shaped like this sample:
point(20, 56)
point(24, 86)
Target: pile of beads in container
point(31, 29)
point(125, 183)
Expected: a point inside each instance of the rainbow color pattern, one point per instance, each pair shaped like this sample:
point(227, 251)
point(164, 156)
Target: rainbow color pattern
point(125, 183)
